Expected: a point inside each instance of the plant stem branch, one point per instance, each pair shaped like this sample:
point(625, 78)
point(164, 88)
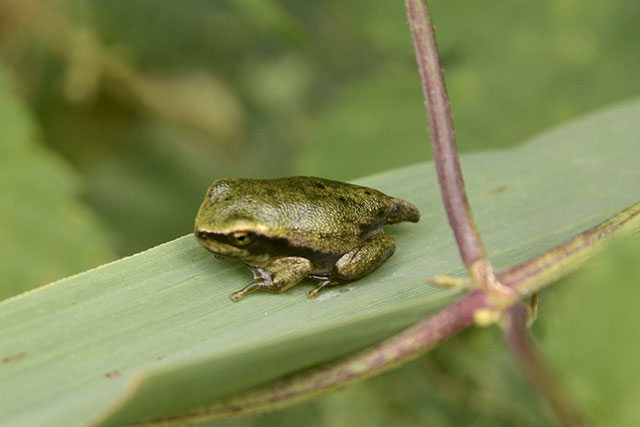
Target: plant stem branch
point(443, 139)
point(535, 273)
point(515, 334)
point(308, 385)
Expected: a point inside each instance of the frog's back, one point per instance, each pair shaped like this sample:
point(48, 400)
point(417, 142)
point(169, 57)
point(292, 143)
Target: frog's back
point(308, 211)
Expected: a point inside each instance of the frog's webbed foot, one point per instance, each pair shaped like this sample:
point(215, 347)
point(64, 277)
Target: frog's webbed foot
point(278, 277)
point(325, 283)
point(249, 289)
point(357, 263)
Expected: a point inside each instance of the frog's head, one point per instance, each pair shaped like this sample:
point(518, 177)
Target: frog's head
point(225, 244)
point(230, 220)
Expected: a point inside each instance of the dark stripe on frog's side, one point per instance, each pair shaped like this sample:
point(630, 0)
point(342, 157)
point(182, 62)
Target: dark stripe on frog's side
point(278, 247)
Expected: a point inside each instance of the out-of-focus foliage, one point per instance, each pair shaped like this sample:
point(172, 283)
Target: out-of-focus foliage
point(45, 232)
point(138, 106)
point(152, 100)
point(588, 329)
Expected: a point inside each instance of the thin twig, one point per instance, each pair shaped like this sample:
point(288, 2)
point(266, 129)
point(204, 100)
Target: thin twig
point(308, 385)
point(443, 140)
point(531, 275)
point(515, 333)
point(453, 193)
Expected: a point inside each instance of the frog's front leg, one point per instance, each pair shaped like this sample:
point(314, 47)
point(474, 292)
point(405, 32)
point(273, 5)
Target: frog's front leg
point(277, 277)
point(359, 262)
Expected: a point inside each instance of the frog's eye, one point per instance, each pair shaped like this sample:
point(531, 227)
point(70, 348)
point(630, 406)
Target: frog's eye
point(241, 238)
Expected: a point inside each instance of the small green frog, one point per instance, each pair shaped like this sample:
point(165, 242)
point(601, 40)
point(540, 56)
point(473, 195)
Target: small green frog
point(287, 229)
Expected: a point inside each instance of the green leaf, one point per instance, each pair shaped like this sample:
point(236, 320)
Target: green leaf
point(156, 333)
point(588, 329)
point(46, 233)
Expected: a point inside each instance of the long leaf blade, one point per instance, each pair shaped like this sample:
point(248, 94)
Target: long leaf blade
point(155, 333)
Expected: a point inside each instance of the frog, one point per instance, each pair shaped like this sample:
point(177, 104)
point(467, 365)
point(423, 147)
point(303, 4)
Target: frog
point(288, 229)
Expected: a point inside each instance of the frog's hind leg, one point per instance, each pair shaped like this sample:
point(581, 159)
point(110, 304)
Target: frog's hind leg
point(359, 262)
point(279, 276)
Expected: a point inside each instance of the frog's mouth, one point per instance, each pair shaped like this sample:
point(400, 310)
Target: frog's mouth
point(218, 243)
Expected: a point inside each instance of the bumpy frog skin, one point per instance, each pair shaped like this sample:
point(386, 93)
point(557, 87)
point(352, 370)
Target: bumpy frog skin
point(287, 229)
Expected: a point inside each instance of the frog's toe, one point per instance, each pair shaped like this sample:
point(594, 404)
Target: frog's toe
point(249, 289)
point(315, 291)
point(237, 296)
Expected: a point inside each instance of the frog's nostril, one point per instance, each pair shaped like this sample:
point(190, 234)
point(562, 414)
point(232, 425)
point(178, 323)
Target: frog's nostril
point(201, 234)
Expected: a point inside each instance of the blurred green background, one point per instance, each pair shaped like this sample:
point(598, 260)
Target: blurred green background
point(116, 115)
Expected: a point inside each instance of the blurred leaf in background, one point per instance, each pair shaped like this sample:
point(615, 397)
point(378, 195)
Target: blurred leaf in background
point(588, 328)
point(152, 100)
point(46, 233)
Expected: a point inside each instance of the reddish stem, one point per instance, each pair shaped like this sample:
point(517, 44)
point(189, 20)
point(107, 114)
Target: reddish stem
point(306, 386)
point(443, 139)
point(518, 341)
